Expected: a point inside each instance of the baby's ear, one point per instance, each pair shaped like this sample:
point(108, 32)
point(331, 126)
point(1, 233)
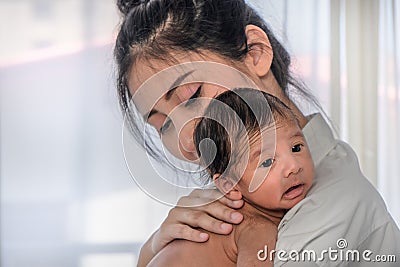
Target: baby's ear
point(226, 186)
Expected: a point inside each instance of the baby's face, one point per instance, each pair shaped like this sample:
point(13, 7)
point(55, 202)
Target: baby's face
point(285, 174)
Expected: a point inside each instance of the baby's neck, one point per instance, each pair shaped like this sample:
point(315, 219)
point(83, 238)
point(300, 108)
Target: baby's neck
point(274, 216)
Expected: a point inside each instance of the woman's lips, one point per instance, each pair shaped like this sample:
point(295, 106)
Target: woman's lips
point(294, 191)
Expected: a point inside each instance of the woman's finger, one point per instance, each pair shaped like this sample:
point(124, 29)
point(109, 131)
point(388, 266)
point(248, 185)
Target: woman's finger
point(200, 218)
point(171, 231)
point(206, 193)
point(188, 233)
point(216, 209)
point(236, 204)
point(203, 197)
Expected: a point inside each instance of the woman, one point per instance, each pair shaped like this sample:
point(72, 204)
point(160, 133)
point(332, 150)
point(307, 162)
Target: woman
point(158, 34)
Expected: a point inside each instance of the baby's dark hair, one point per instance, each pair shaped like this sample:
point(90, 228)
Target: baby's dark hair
point(234, 117)
point(152, 29)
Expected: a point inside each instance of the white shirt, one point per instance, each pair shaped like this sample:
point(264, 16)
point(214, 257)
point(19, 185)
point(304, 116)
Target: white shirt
point(342, 211)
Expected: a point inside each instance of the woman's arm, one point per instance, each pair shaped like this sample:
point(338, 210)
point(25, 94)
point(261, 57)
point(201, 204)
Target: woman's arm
point(146, 252)
point(216, 216)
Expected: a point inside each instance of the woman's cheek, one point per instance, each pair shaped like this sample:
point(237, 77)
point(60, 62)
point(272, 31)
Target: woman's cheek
point(157, 121)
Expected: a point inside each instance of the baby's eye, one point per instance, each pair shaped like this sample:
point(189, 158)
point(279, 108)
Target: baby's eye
point(297, 148)
point(193, 98)
point(166, 126)
point(267, 163)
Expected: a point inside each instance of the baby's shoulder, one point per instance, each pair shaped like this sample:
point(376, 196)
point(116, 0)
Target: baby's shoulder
point(219, 250)
point(252, 215)
point(255, 221)
point(256, 234)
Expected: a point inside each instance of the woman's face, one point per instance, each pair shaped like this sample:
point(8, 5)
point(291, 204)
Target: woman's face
point(171, 97)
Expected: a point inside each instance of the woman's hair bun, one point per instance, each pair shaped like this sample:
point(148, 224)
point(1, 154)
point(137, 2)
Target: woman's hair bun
point(125, 6)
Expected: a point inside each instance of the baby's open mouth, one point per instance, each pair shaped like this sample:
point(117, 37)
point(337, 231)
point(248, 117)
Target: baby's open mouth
point(294, 191)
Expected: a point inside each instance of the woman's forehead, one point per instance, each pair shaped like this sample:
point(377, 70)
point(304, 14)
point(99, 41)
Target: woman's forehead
point(144, 68)
point(149, 82)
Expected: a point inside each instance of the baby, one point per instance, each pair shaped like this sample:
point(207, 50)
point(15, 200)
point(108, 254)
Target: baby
point(251, 144)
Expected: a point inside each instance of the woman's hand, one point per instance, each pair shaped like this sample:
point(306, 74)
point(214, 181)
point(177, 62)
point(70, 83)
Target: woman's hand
point(217, 216)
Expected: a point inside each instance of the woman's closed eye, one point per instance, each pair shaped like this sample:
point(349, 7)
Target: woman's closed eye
point(193, 98)
point(168, 122)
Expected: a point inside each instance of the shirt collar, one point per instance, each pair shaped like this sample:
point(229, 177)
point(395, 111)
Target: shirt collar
point(319, 137)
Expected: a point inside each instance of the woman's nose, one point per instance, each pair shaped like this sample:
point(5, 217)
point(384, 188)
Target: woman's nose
point(186, 142)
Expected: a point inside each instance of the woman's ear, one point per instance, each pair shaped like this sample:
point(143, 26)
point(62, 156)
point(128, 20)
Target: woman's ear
point(260, 54)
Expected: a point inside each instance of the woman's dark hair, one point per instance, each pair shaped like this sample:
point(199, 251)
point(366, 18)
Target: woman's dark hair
point(152, 29)
point(231, 123)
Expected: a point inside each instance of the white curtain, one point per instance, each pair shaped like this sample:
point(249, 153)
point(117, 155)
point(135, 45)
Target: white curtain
point(389, 105)
point(365, 88)
point(355, 77)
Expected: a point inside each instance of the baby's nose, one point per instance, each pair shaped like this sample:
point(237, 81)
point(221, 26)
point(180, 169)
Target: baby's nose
point(291, 166)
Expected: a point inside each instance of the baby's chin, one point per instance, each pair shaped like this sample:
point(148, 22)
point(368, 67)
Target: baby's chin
point(294, 203)
point(294, 195)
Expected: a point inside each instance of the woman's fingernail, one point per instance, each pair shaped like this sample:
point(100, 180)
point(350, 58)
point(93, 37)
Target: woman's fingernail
point(236, 216)
point(226, 226)
point(203, 236)
point(237, 202)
